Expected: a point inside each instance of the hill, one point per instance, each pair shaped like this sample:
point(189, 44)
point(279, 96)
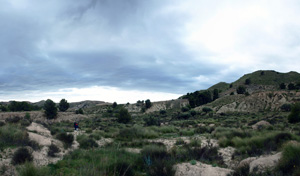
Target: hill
point(258, 91)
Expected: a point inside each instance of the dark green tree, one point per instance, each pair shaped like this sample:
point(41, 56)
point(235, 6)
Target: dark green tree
point(294, 116)
point(50, 109)
point(63, 105)
point(248, 81)
point(216, 94)
point(148, 103)
point(124, 116)
point(114, 105)
point(282, 86)
point(241, 90)
point(291, 86)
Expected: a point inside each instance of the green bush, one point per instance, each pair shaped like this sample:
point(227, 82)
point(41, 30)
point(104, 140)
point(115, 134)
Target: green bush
point(289, 163)
point(12, 136)
point(53, 149)
point(157, 161)
point(136, 132)
point(14, 119)
point(294, 116)
point(124, 116)
point(21, 156)
point(241, 90)
point(151, 120)
point(206, 109)
point(86, 142)
point(185, 109)
point(67, 139)
point(79, 111)
point(123, 168)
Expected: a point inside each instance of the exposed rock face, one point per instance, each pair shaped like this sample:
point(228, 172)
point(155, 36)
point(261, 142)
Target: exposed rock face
point(260, 125)
point(257, 101)
point(261, 164)
point(200, 169)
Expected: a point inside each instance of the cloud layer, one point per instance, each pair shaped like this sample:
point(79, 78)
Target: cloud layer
point(167, 46)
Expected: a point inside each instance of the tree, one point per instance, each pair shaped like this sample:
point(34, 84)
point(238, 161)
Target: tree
point(282, 86)
point(294, 116)
point(148, 103)
point(291, 86)
point(216, 94)
point(124, 116)
point(248, 81)
point(50, 109)
point(114, 105)
point(79, 111)
point(241, 90)
point(63, 105)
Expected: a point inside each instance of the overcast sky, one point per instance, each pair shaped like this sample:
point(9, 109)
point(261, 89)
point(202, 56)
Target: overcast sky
point(129, 50)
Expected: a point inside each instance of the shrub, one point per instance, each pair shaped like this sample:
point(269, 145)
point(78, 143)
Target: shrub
point(282, 86)
point(86, 142)
point(63, 105)
point(67, 139)
point(14, 119)
point(286, 107)
point(185, 115)
point(294, 116)
point(53, 149)
point(11, 135)
point(291, 86)
point(206, 109)
point(25, 122)
point(248, 81)
point(136, 132)
point(162, 112)
point(179, 142)
point(193, 113)
point(150, 121)
point(241, 90)
point(21, 156)
point(157, 160)
point(185, 109)
point(79, 111)
point(50, 109)
point(289, 163)
point(124, 116)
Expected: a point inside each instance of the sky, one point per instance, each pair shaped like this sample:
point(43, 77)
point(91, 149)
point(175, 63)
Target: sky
point(128, 50)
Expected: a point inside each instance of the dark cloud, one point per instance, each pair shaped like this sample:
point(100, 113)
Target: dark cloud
point(154, 45)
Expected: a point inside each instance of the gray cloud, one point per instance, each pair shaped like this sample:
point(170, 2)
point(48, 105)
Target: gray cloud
point(143, 45)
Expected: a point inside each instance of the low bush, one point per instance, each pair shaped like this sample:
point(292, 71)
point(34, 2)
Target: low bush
point(262, 143)
point(12, 136)
point(86, 142)
point(179, 142)
point(157, 161)
point(21, 156)
point(14, 119)
point(53, 150)
point(152, 121)
point(207, 154)
point(67, 139)
point(289, 163)
point(136, 132)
